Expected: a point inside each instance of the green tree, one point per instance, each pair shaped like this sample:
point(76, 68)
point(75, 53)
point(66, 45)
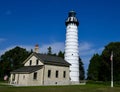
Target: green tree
point(49, 51)
point(81, 70)
point(100, 65)
point(94, 67)
point(12, 59)
point(115, 47)
point(61, 54)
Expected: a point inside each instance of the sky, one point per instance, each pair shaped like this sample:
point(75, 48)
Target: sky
point(25, 23)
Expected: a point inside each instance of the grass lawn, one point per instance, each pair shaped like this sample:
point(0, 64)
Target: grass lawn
point(71, 88)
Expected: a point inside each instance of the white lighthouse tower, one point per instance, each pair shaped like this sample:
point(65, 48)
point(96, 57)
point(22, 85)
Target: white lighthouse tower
point(71, 46)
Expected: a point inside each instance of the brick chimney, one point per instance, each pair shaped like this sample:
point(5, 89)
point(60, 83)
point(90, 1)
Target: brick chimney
point(36, 49)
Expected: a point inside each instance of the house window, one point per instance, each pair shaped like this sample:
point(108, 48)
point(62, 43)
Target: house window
point(23, 76)
point(13, 78)
point(57, 74)
point(37, 61)
point(30, 62)
point(35, 76)
point(49, 73)
point(64, 74)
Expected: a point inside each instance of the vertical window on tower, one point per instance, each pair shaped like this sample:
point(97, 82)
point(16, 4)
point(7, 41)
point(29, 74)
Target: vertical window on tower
point(57, 74)
point(30, 63)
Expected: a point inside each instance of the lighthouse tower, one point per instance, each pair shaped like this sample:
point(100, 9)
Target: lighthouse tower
point(71, 46)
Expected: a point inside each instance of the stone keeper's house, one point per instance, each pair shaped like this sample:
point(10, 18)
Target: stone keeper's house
point(41, 69)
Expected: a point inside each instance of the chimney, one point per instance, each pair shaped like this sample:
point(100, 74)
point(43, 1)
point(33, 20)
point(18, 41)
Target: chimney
point(36, 49)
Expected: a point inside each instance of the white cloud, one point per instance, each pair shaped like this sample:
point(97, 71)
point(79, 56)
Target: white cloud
point(86, 51)
point(56, 47)
point(27, 47)
point(84, 46)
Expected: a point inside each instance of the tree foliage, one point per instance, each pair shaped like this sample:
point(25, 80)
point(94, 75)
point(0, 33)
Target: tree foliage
point(50, 51)
point(94, 67)
point(100, 65)
point(12, 59)
point(81, 70)
point(61, 54)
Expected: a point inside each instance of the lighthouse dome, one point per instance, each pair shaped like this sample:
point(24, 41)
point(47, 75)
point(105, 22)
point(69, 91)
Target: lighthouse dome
point(72, 18)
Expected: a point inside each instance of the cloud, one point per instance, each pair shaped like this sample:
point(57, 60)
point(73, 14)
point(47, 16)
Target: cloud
point(2, 40)
point(56, 47)
point(27, 47)
point(84, 46)
point(86, 51)
point(8, 12)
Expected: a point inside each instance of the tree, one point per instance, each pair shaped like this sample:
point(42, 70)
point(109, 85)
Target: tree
point(12, 59)
point(81, 70)
point(115, 47)
point(61, 54)
point(49, 50)
point(100, 65)
point(94, 67)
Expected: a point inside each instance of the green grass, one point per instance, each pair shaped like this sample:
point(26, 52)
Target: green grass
point(70, 88)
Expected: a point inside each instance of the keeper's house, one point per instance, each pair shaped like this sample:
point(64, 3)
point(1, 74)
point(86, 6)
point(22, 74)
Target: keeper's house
point(41, 69)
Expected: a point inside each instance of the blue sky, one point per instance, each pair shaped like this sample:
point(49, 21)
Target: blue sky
point(28, 22)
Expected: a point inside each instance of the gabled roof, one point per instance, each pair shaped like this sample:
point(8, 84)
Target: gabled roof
point(27, 69)
point(54, 60)
point(49, 60)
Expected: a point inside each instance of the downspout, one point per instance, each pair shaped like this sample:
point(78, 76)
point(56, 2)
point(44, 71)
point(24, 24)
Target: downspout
point(43, 73)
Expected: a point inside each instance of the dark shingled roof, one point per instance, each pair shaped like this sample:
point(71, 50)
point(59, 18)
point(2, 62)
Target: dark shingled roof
point(52, 60)
point(46, 59)
point(27, 69)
